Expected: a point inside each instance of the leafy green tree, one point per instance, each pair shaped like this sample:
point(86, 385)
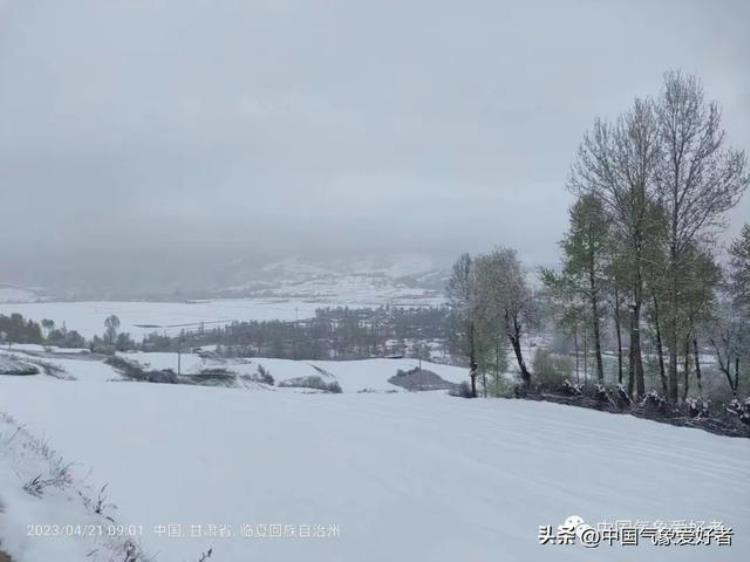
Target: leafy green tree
point(617, 163)
point(698, 181)
point(586, 251)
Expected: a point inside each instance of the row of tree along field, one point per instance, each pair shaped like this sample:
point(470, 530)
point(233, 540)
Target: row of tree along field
point(332, 333)
point(640, 259)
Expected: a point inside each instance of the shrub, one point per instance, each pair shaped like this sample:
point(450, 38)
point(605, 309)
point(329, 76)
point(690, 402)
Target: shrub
point(264, 375)
point(550, 370)
point(314, 382)
point(462, 390)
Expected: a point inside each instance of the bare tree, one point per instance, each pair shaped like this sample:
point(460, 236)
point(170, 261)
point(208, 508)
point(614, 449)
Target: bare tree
point(111, 325)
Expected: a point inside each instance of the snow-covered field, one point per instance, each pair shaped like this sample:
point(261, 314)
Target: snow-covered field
point(402, 476)
point(142, 318)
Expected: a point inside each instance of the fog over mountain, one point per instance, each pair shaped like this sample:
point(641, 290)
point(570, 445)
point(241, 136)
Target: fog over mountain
point(182, 145)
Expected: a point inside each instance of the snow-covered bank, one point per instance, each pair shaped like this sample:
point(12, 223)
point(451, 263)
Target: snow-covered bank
point(47, 513)
point(396, 477)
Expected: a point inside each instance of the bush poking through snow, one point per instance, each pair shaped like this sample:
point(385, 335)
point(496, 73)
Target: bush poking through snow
point(100, 505)
point(697, 408)
point(623, 398)
point(654, 403)
point(572, 388)
point(314, 382)
point(56, 479)
point(206, 555)
point(36, 486)
point(59, 475)
point(462, 390)
point(740, 409)
point(264, 375)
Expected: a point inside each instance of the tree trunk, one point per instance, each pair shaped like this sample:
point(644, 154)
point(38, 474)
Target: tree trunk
point(697, 366)
point(578, 358)
point(585, 358)
point(513, 329)
point(636, 358)
point(595, 324)
point(736, 375)
point(472, 350)
point(498, 374)
point(631, 358)
point(635, 369)
point(619, 336)
point(686, 370)
point(673, 340)
point(660, 349)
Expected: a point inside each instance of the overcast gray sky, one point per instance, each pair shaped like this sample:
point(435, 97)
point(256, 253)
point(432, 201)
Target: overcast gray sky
point(180, 129)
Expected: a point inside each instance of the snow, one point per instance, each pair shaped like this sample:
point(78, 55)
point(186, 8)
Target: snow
point(11, 293)
point(142, 318)
point(405, 476)
point(22, 516)
point(352, 376)
point(373, 374)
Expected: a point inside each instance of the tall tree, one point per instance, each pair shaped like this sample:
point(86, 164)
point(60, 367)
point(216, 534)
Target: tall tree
point(739, 275)
point(617, 163)
point(698, 181)
point(462, 300)
point(698, 301)
point(617, 287)
point(502, 289)
point(730, 335)
point(569, 308)
point(586, 248)
point(111, 325)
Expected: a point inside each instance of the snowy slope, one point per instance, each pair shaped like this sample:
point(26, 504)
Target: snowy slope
point(405, 476)
point(12, 293)
point(396, 279)
point(31, 525)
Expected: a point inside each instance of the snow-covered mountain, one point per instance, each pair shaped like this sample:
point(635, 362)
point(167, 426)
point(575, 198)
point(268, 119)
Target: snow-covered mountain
point(394, 278)
point(397, 279)
point(13, 293)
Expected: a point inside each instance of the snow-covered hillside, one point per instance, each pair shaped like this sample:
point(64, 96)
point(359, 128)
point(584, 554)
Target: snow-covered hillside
point(381, 476)
point(395, 279)
point(13, 293)
point(41, 501)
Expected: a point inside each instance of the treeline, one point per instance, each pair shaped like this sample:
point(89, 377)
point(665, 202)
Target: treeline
point(333, 333)
point(640, 258)
point(15, 328)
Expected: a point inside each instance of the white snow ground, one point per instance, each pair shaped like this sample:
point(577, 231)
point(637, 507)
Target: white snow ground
point(142, 318)
point(405, 476)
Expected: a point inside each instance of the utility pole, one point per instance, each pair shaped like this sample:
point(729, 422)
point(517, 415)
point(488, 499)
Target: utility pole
point(179, 356)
